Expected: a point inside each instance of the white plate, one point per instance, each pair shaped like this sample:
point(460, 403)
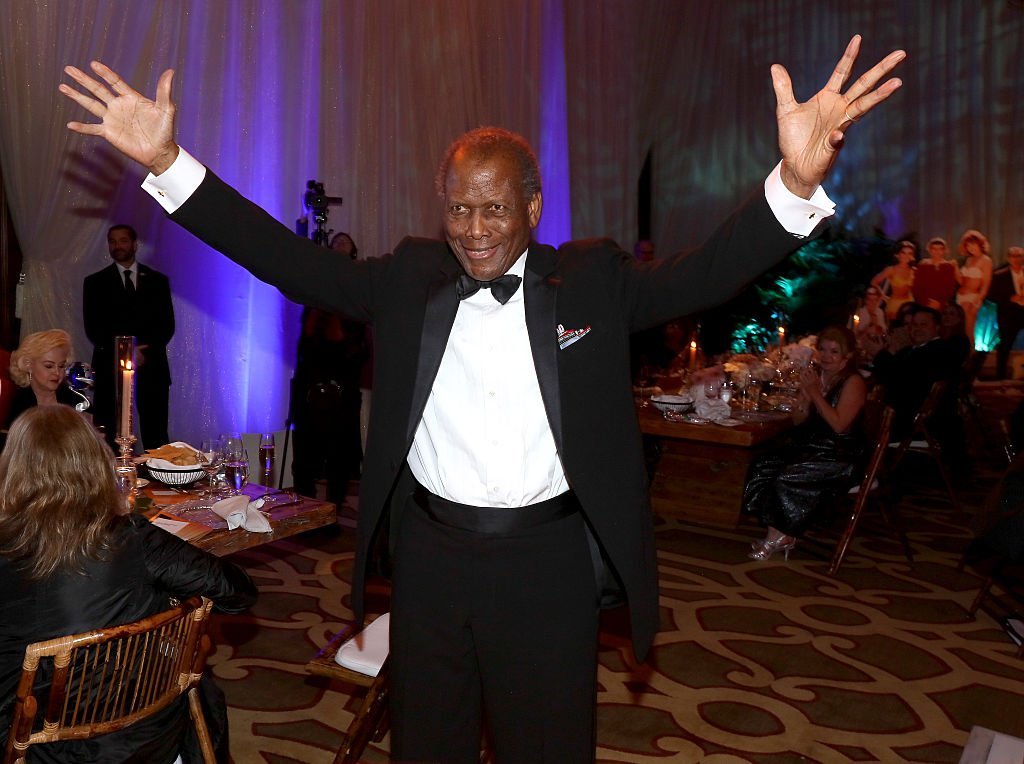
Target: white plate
point(728, 422)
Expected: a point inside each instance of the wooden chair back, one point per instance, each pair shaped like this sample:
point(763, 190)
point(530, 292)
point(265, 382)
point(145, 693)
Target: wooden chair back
point(919, 438)
point(105, 680)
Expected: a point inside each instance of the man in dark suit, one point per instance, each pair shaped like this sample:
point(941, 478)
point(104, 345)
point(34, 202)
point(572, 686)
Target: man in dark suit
point(128, 298)
point(1007, 291)
point(909, 373)
point(503, 449)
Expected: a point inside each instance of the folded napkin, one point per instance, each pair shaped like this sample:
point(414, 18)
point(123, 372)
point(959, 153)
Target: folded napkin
point(712, 408)
point(367, 650)
point(242, 513)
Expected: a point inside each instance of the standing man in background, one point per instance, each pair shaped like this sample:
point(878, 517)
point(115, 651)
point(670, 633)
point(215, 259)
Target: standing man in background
point(128, 298)
point(1007, 292)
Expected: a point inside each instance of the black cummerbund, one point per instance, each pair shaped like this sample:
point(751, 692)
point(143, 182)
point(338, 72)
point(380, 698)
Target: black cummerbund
point(495, 520)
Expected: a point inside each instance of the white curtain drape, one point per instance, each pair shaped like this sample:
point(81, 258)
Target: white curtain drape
point(365, 95)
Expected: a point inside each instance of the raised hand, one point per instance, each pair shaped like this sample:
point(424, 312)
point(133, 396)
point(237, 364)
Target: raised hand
point(139, 128)
point(812, 133)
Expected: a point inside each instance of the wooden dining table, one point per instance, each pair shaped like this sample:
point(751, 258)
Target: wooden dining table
point(702, 468)
point(289, 514)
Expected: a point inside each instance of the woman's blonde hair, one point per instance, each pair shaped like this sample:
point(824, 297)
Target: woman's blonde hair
point(977, 236)
point(33, 346)
point(58, 499)
point(845, 339)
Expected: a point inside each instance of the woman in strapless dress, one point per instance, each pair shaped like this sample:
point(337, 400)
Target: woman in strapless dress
point(900, 276)
point(975, 277)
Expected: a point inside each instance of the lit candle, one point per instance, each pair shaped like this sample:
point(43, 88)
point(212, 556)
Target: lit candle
point(127, 378)
point(782, 336)
point(693, 354)
point(856, 322)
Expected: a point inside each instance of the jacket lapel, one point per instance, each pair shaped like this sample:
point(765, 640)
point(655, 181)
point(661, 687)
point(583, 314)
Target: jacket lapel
point(438, 317)
point(540, 293)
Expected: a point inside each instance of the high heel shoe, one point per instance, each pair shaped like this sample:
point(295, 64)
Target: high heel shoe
point(765, 548)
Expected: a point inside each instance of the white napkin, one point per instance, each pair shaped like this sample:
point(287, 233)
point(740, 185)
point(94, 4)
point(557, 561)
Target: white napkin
point(712, 408)
point(241, 513)
point(367, 650)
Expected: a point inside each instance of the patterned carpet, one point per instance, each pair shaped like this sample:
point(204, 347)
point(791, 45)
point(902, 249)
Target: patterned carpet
point(756, 662)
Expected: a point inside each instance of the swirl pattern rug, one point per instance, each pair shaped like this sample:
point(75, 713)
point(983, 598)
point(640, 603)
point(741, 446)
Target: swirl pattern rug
point(756, 661)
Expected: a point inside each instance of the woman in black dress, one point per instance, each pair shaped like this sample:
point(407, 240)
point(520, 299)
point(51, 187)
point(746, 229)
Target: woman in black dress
point(788, 485)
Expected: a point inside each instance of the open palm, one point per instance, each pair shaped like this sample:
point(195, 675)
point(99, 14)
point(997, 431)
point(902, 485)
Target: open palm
point(811, 133)
point(141, 129)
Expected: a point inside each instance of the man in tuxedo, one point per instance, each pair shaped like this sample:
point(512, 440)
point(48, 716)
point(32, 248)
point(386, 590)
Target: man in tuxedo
point(909, 373)
point(1007, 291)
point(128, 298)
point(504, 451)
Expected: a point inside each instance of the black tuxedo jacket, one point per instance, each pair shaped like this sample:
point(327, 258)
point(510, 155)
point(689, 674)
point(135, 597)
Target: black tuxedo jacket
point(108, 314)
point(591, 287)
point(1002, 290)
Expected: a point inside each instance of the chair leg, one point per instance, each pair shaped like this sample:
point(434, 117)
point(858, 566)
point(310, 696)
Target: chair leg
point(894, 520)
point(195, 708)
point(369, 723)
point(982, 593)
point(844, 541)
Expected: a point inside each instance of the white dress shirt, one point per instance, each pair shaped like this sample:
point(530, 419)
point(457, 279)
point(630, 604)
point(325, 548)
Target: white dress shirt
point(484, 439)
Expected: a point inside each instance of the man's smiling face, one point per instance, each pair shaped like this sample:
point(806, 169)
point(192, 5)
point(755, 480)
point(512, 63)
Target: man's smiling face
point(487, 220)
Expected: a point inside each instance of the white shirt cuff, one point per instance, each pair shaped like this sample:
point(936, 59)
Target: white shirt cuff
point(177, 183)
point(796, 215)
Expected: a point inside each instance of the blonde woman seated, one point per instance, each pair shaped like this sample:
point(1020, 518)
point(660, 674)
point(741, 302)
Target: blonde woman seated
point(789, 485)
point(975, 277)
point(37, 368)
point(73, 559)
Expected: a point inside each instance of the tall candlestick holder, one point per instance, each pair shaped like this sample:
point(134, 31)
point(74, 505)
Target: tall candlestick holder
point(124, 393)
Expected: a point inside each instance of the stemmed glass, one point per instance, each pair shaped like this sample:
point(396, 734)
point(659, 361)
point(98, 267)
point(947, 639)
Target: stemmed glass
point(211, 459)
point(236, 464)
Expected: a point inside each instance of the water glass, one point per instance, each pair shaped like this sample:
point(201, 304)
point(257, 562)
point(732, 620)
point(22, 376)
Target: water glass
point(236, 471)
point(125, 476)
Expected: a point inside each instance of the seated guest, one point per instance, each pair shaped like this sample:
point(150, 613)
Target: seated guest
point(908, 373)
point(72, 558)
point(899, 329)
point(789, 485)
point(954, 329)
point(871, 316)
point(37, 367)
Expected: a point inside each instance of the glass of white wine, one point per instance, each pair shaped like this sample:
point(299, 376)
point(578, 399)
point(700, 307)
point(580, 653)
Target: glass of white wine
point(211, 459)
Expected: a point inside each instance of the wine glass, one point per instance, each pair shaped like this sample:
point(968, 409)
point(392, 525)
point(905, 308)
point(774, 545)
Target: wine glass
point(267, 458)
point(211, 459)
point(236, 465)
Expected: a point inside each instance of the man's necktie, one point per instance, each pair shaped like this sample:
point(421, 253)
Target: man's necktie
point(502, 288)
point(129, 285)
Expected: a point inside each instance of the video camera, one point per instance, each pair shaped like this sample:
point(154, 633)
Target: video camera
point(315, 201)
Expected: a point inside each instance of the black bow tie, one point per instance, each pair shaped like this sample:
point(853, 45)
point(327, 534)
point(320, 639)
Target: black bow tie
point(502, 288)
